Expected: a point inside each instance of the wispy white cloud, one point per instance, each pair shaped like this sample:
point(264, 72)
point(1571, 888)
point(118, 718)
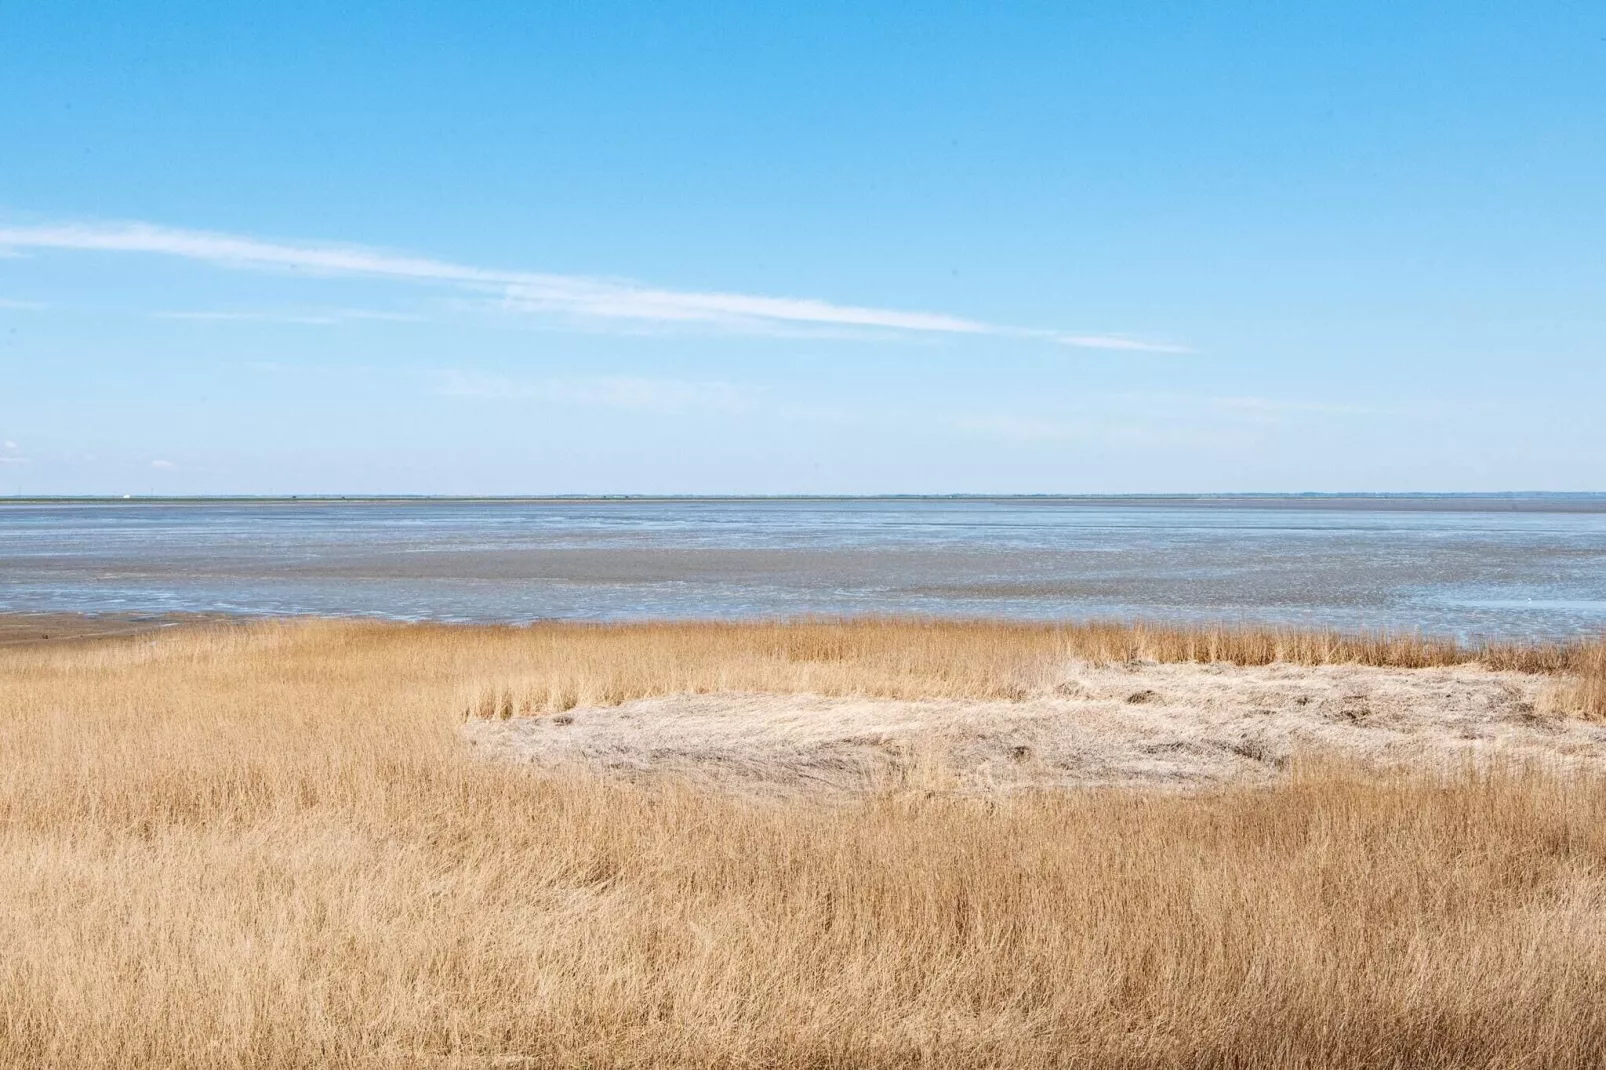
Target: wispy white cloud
point(10, 453)
point(1021, 427)
point(1144, 417)
point(1242, 406)
point(1112, 341)
point(22, 306)
point(633, 393)
point(1284, 405)
point(533, 292)
point(323, 318)
point(163, 464)
point(1122, 429)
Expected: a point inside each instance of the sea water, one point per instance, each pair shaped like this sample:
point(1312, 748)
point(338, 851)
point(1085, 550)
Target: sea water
point(1499, 566)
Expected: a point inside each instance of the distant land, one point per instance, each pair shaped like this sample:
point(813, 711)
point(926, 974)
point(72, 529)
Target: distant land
point(1503, 501)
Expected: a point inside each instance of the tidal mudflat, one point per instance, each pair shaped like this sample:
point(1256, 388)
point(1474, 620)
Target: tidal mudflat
point(1496, 566)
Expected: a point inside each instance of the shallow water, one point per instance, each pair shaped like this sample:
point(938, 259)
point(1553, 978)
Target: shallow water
point(1508, 567)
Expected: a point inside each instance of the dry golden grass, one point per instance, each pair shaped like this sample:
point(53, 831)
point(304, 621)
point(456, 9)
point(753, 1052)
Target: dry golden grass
point(265, 847)
point(559, 666)
point(1584, 690)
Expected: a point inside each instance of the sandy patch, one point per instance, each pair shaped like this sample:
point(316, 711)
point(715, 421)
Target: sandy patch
point(1157, 725)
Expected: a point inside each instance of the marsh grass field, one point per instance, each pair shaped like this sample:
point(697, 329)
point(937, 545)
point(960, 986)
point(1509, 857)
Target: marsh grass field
point(276, 845)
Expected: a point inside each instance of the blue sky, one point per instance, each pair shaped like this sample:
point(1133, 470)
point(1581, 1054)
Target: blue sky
point(820, 248)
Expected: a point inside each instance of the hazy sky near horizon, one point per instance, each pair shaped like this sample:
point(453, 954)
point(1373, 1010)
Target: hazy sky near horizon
point(821, 248)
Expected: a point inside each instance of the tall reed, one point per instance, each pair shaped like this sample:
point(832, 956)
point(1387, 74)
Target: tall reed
point(561, 665)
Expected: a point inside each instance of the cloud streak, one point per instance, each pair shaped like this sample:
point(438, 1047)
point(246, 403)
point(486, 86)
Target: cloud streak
point(627, 392)
point(1151, 417)
point(325, 318)
point(533, 292)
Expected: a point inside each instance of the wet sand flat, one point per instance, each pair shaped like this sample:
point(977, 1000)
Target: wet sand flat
point(1508, 568)
point(29, 629)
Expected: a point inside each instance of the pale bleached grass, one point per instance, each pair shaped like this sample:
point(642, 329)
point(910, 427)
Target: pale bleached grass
point(1184, 726)
point(267, 847)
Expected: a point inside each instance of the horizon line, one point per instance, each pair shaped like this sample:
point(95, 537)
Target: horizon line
point(789, 496)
